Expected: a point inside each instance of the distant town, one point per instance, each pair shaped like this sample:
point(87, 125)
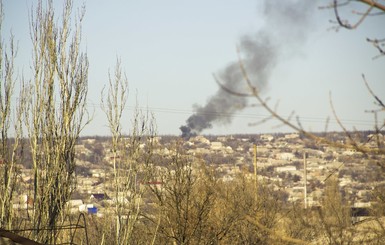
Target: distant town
point(276, 159)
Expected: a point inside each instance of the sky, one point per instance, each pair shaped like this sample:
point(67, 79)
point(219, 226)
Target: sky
point(171, 50)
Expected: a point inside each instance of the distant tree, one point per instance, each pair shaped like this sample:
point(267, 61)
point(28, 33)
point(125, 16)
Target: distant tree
point(83, 171)
point(258, 210)
point(335, 216)
point(296, 178)
point(328, 224)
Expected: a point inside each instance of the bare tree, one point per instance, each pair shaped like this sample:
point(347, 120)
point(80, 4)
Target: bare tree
point(55, 112)
point(130, 153)
point(337, 230)
point(114, 107)
point(293, 121)
point(335, 226)
point(254, 210)
point(181, 201)
point(353, 17)
point(8, 146)
point(189, 204)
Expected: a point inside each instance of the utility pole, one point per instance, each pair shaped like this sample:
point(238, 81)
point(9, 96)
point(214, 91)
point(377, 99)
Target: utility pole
point(255, 173)
point(305, 179)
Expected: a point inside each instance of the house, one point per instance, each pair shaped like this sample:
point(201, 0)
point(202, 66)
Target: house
point(74, 202)
point(360, 213)
point(81, 149)
point(23, 202)
point(201, 139)
point(98, 173)
point(216, 146)
point(286, 168)
point(74, 205)
point(228, 149)
point(99, 197)
point(292, 136)
point(267, 137)
point(88, 141)
point(222, 138)
point(285, 156)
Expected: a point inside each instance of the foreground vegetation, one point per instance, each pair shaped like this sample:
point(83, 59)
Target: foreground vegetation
point(153, 196)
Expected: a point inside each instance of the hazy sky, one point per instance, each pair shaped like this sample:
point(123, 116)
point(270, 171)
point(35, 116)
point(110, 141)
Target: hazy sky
point(171, 49)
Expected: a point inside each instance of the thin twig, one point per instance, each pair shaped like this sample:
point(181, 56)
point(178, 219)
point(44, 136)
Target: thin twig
point(379, 101)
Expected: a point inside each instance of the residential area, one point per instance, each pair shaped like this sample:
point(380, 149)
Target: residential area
point(277, 160)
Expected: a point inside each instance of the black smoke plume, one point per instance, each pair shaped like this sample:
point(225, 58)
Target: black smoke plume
point(287, 24)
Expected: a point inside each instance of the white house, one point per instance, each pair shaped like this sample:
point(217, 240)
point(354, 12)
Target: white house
point(216, 146)
point(285, 156)
point(286, 168)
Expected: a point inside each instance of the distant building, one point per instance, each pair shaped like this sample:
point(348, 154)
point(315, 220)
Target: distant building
point(267, 137)
point(286, 168)
point(285, 156)
point(292, 136)
point(201, 139)
point(216, 146)
point(98, 197)
point(74, 203)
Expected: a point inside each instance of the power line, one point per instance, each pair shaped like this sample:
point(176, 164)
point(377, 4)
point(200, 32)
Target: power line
point(243, 115)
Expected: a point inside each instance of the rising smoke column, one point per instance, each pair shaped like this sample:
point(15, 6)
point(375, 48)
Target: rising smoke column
point(287, 24)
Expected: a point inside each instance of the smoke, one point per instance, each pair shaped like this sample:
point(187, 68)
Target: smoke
point(287, 25)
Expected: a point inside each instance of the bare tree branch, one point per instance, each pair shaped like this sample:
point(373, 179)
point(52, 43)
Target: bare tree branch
point(345, 23)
